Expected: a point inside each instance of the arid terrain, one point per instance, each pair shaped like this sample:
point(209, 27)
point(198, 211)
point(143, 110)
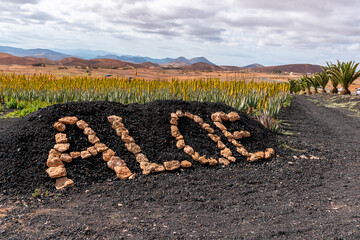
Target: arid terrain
point(147, 73)
point(158, 73)
point(309, 191)
point(150, 71)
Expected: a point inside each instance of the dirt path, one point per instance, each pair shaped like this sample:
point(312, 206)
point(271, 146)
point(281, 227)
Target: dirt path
point(285, 198)
point(334, 133)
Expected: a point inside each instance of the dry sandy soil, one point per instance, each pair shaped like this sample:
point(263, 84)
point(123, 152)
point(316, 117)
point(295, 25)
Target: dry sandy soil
point(158, 73)
point(310, 191)
point(147, 73)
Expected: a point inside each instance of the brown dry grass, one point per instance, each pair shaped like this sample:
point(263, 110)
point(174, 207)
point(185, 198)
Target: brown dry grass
point(147, 73)
point(157, 73)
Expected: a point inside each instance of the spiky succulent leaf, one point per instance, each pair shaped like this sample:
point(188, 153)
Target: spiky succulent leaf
point(344, 73)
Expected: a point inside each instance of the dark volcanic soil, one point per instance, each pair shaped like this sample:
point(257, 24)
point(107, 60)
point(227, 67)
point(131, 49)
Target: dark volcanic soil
point(26, 143)
point(284, 198)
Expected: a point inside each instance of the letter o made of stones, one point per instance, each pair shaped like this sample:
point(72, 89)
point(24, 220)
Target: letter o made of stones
point(181, 142)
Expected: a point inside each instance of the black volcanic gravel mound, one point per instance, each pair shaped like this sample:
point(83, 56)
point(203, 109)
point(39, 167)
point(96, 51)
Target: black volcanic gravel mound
point(25, 146)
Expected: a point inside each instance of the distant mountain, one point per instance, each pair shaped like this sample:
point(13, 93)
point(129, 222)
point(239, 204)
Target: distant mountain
point(99, 62)
point(7, 59)
point(191, 61)
point(253, 65)
point(11, 55)
point(58, 54)
point(136, 59)
point(83, 53)
point(295, 68)
point(125, 58)
point(73, 61)
point(181, 60)
point(158, 60)
point(174, 64)
point(232, 68)
point(149, 65)
point(200, 60)
point(38, 53)
point(139, 59)
point(202, 66)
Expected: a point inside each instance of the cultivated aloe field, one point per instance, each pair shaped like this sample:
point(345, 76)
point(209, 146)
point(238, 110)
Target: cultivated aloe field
point(28, 93)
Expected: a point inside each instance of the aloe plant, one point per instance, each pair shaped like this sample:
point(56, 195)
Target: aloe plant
point(269, 122)
point(252, 97)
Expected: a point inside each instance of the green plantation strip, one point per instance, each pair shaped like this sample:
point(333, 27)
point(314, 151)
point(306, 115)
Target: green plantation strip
point(251, 101)
point(28, 93)
point(341, 73)
point(243, 102)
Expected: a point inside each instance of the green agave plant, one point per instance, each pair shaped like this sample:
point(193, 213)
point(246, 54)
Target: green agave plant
point(294, 86)
point(333, 81)
point(306, 82)
point(344, 73)
point(322, 79)
point(313, 83)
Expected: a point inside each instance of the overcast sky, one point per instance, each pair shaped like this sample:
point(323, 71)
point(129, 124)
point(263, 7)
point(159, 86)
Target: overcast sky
point(227, 32)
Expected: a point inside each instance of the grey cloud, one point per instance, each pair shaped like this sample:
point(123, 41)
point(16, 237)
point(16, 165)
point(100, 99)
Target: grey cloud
point(40, 17)
point(185, 13)
point(32, 18)
point(145, 14)
point(8, 20)
point(13, 12)
point(259, 21)
point(156, 25)
point(21, 1)
point(202, 31)
point(160, 32)
point(325, 6)
point(9, 8)
point(277, 23)
point(170, 22)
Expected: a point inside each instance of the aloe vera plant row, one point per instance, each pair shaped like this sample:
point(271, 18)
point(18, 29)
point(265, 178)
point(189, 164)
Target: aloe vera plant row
point(263, 98)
